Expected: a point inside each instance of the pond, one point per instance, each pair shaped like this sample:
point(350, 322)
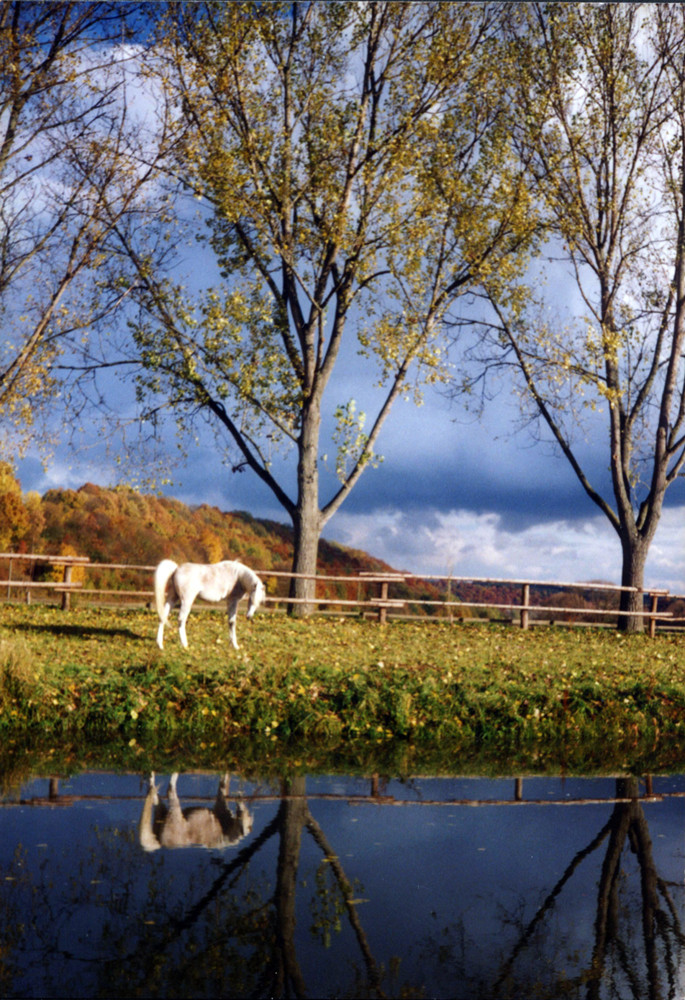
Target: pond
point(331, 886)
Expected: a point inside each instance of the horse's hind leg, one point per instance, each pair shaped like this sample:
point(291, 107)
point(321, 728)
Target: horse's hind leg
point(147, 832)
point(175, 811)
point(172, 793)
point(174, 833)
point(162, 622)
point(182, 619)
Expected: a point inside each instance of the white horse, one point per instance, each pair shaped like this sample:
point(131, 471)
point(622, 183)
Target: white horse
point(172, 826)
point(182, 584)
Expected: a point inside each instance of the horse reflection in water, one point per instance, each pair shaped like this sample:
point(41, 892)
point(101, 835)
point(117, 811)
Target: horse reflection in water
point(171, 826)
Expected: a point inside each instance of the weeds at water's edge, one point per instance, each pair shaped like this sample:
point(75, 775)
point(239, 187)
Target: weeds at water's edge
point(98, 678)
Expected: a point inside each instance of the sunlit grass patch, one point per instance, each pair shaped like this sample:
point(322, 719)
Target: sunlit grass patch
point(99, 672)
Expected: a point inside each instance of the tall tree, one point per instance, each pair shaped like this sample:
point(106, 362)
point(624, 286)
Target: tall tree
point(63, 141)
point(601, 128)
point(352, 167)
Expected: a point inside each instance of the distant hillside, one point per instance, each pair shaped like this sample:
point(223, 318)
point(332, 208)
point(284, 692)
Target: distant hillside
point(125, 527)
point(122, 526)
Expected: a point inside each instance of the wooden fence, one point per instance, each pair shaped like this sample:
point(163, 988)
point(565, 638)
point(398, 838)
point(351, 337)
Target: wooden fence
point(62, 584)
point(376, 795)
point(374, 592)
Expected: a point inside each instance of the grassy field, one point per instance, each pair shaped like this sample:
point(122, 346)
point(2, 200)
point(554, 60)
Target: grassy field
point(94, 682)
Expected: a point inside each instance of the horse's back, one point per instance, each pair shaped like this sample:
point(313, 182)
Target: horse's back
point(211, 582)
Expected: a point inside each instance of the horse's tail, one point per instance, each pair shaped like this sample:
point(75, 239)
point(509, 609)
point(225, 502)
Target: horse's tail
point(163, 574)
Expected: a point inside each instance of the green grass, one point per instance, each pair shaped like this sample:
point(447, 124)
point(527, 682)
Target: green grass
point(585, 698)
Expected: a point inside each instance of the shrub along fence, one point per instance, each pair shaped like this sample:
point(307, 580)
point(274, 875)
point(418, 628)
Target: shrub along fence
point(377, 594)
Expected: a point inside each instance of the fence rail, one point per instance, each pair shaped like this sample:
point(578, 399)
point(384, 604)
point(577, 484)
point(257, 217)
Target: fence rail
point(376, 795)
point(379, 602)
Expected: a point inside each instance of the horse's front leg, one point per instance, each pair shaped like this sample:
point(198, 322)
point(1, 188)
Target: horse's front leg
point(232, 615)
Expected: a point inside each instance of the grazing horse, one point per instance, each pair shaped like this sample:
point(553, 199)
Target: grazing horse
point(182, 584)
point(214, 828)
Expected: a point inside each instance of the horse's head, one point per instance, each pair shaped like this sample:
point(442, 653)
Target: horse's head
point(256, 597)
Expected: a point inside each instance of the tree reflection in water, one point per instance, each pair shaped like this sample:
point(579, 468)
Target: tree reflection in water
point(282, 975)
point(127, 922)
point(618, 962)
point(662, 930)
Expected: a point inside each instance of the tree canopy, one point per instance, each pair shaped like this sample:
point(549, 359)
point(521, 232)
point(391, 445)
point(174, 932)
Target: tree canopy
point(63, 142)
point(352, 165)
point(601, 130)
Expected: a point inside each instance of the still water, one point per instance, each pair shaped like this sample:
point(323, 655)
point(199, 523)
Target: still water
point(329, 886)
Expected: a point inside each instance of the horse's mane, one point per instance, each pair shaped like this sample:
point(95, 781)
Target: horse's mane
point(247, 576)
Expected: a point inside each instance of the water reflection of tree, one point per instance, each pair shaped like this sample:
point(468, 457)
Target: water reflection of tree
point(654, 966)
point(236, 936)
point(263, 960)
point(283, 976)
point(662, 932)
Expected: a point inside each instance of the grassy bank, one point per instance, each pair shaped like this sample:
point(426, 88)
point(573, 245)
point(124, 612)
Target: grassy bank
point(95, 677)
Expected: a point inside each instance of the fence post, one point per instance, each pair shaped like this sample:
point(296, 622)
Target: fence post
point(66, 596)
point(525, 599)
point(652, 620)
point(383, 595)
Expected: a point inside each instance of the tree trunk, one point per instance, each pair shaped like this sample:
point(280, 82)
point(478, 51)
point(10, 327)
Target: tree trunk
point(306, 542)
point(635, 550)
point(307, 521)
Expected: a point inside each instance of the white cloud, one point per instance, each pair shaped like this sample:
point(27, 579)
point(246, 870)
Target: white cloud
point(63, 475)
point(465, 543)
point(666, 563)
